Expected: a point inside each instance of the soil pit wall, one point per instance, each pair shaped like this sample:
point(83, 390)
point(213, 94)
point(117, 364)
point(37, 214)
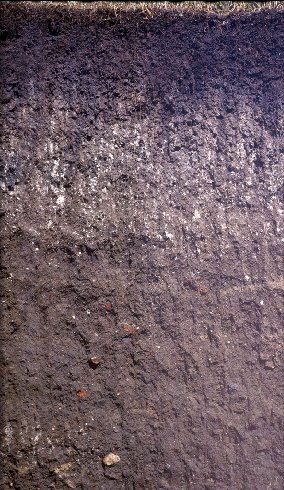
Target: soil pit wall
point(142, 225)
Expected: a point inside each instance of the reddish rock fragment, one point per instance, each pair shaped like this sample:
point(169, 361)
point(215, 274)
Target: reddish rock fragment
point(203, 290)
point(128, 329)
point(81, 393)
point(108, 306)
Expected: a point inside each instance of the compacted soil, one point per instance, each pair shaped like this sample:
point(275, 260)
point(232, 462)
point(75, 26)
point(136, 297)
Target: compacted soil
point(142, 249)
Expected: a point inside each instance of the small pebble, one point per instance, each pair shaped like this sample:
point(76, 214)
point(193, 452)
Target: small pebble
point(111, 459)
point(269, 365)
point(81, 393)
point(126, 340)
point(128, 329)
point(167, 468)
point(232, 387)
point(94, 362)
point(202, 290)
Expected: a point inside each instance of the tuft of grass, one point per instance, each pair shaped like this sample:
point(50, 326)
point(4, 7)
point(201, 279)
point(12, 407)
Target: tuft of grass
point(151, 8)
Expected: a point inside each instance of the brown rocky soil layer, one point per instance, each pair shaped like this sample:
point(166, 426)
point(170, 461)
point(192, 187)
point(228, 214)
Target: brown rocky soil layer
point(142, 250)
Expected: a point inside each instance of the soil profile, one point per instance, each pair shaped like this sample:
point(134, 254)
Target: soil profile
point(142, 249)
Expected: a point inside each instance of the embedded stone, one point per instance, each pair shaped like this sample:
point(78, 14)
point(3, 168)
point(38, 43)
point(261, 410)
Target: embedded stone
point(111, 459)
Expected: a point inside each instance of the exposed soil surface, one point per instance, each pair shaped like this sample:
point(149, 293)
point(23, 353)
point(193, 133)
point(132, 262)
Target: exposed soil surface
point(142, 226)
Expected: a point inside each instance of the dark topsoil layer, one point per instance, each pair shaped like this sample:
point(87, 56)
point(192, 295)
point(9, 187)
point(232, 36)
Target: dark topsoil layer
point(142, 223)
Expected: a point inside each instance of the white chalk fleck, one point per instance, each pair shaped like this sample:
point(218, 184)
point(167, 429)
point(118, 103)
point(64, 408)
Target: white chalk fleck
point(8, 435)
point(196, 214)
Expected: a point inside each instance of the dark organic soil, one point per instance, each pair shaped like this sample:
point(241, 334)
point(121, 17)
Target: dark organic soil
point(142, 224)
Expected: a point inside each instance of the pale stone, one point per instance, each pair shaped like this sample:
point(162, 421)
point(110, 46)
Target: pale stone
point(111, 459)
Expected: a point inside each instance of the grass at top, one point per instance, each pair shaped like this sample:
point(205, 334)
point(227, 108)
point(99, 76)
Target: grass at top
point(153, 7)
